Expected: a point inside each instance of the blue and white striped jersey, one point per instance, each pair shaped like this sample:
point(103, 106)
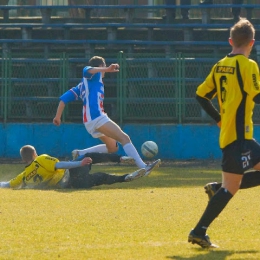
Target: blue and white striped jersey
point(91, 91)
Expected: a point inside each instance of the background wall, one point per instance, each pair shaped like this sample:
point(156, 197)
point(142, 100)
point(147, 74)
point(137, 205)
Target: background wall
point(175, 141)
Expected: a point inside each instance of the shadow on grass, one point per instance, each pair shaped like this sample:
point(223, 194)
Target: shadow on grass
point(216, 255)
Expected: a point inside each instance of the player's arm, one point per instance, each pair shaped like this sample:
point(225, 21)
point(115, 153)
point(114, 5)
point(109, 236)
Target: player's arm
point(252, 81)
point(205, 93)
point(114, 67)
point(67, 97)
point(57, 118)
point(16, 182)
point(73, 164)
point(209, 108)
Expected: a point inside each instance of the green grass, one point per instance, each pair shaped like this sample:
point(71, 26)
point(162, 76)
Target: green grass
point(147, 219)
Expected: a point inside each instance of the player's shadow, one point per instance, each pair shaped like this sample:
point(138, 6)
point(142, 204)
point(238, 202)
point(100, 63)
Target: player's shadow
point(212, 254)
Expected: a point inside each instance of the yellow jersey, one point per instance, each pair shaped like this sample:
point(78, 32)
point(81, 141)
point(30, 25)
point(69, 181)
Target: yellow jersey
point(41, 173)
point(235, 81)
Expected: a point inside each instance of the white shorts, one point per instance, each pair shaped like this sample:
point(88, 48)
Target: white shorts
point(96, 123)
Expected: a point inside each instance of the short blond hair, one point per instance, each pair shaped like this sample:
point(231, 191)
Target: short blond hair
point(242, 33)
point(27, 152)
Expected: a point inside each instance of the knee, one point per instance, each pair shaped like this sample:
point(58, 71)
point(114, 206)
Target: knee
point(125, 139)
point(113, 149)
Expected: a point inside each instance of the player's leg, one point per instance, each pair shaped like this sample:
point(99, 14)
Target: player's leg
point(100, 178)
point(102, 157)
point(233, 168)
point(112, 130)
point(101, 148)
point(103, 127)
point(110, 146)
point(215, 206)
point(80, 177)
point(250, 179)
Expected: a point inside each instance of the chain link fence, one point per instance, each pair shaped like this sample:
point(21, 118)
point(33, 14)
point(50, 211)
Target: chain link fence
point(149, 88)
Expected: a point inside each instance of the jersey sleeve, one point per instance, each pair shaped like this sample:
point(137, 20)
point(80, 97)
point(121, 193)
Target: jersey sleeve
point(208, 88)
point(17, 182)
point(47, 162)
point(86, 73)
point(72, 94)
point(252, 84)
point(90, 76)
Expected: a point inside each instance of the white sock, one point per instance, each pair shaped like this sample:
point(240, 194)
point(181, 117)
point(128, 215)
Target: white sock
point(101, 148)
point(132, 152)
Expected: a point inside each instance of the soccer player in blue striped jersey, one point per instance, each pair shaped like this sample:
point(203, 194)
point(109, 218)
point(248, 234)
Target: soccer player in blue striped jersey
point(91, 92)
point(234, 80)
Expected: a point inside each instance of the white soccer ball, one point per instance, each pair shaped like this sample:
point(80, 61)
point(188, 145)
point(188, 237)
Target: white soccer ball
point(149, 149)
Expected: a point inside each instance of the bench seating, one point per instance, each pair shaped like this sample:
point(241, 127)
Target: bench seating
point(111, 29)
point(46, 10)
point(128, 46)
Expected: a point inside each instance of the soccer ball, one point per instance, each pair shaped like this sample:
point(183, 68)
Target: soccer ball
point(149, 149)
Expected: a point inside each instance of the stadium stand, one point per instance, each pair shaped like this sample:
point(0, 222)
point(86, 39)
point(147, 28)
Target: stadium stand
point(43, 56)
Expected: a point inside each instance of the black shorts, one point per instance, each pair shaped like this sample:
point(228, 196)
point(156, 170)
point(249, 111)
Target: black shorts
point(80, 177)
point(240, 156)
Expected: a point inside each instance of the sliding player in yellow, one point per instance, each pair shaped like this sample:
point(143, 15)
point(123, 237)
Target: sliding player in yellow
point(46, 172)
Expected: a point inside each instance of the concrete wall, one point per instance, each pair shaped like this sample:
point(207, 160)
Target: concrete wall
point(174, 141)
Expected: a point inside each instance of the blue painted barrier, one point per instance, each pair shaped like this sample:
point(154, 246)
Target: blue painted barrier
point(175, 142)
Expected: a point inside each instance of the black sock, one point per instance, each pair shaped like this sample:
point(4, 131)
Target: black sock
point(100, 178)
point(250, 179)
point(215, 206)
point(218, 185)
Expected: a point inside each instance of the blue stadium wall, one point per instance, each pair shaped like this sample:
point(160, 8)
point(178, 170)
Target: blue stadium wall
point(179, 142)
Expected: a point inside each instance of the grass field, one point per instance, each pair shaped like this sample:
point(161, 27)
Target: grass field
point(147, 219)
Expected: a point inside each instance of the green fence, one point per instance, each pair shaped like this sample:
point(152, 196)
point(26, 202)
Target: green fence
point(149, 88)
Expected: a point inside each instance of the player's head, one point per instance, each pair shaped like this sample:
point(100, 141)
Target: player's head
point(28, 153)
point(97, 61)
point(242, 34)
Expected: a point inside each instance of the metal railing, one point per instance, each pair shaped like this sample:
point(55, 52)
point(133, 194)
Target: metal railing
point(148, 88)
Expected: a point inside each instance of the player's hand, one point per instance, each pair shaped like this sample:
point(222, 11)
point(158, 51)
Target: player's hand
point(86, 160)
point(114, 67)
point(56, 121)
point(219, 124)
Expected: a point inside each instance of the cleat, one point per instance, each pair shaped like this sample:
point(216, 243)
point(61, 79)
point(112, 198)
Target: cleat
point(151, 166)
point(75, 154)
point(127, 160)
point(202, 241)
point(135, 175)
point(211, 189)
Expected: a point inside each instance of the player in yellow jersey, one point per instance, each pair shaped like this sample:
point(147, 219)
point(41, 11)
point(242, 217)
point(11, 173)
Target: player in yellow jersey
point(46, 172)
point(234, 80)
